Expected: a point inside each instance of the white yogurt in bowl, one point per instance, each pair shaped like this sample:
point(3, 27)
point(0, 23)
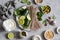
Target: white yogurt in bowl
point(9, 24)
point(36, 37)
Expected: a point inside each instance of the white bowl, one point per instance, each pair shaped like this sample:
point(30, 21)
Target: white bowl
point(9, 24)
point(22, 35)
point(35, 37)
point(57, 30)
point(37, 3)
point(46, 37)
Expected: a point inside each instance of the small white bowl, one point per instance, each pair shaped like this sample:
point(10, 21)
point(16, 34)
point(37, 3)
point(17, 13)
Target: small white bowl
point(9, 25)
point(58, 30)
point(36, 36)
point(46, 37)
point(22, 35)
point(37, 2)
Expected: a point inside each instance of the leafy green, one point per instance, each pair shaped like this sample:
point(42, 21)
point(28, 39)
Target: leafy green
point(42, 7)
point(24, 1)
point(28, 3)
point(21, 11)
point(26, 24)
point(54, 17)
point(44, 21)
point(39, 16)
point(16, 12)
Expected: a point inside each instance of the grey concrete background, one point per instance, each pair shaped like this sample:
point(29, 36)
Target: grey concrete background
point(55, 9)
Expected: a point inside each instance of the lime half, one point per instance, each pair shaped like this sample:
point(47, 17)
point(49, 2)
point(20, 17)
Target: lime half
point(11, 35)
point(21, 21)
point(22, 17)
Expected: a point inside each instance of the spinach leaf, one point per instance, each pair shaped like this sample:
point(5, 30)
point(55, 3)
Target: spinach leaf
point(39, 16)
point(24, 1)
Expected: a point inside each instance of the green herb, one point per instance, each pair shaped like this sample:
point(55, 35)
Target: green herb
point(54, 17)
point(26, 24)
point(45, 22)
point(42, 7)
point(28, 3)
point(39, 16)
point(21, 11)
point(24, 1)
point(16, 12)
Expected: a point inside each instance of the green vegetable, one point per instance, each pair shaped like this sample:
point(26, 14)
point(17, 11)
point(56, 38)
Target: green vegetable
point(23, 12)
point(20, 11)
point(28, 3)
point(45, 21)
point(54, 17)
point(16, 12)
point(39, 16)
point(24, 1)
point(26, 24)
point(42, 7)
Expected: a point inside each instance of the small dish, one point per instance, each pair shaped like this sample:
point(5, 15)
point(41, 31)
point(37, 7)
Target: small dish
point(36, 37)
point(49, 35)
point(38, 1)
point(58, 30)
point(9, 24)
point(23, 34)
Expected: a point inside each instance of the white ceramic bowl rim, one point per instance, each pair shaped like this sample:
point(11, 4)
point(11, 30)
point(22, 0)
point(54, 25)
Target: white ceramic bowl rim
point(58, 29)
point(45, 33)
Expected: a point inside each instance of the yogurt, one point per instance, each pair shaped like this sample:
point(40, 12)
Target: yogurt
point(9, 24)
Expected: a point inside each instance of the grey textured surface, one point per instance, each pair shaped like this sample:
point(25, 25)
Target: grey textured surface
point(55, 9)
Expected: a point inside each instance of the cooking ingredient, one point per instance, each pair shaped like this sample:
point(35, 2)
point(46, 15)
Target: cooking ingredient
point(35, 24)
point(28, 3)
point(54, 17)
point(49, 34)
point(21, 21)
point(23, 34)
point(24, 1)
point(39, 16)
point(21, 11)
point(22, 17)
point(51, 21)
point(9, 24)
point(47, 9)
point(36, 37)
point(28, 17)
point(10, 35)
point(45, 22)
point(38, 1)
point(26, 24)
point(42, 7)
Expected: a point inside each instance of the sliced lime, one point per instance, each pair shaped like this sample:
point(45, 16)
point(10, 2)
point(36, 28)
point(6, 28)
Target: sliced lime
point(21, 21)
point(11, 35)
point(22, 17)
